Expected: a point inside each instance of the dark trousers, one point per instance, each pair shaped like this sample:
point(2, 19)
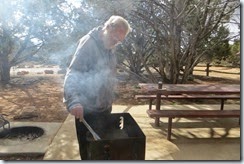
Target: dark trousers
point(81, 129)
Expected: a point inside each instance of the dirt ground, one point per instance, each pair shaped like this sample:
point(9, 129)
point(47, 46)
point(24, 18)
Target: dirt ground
point(39, 97)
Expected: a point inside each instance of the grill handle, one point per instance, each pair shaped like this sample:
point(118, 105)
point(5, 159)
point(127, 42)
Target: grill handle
point(94, 134)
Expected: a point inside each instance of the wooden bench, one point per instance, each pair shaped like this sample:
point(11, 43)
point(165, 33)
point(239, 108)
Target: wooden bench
point(151, 98)
point(191, 114)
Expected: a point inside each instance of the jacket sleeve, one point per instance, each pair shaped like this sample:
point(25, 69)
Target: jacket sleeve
point(75, 79)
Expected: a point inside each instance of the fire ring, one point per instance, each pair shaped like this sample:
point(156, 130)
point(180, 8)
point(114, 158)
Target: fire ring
point(20, 135)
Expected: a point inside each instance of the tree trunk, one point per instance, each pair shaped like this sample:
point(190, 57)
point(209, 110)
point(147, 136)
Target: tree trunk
point(4, 70)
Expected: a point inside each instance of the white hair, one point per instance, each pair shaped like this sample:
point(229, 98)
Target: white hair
point(118, 21)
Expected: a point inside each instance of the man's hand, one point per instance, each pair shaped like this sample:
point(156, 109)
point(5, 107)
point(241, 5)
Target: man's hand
point(77, 111)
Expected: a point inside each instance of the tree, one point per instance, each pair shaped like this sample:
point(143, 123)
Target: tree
point(182, 29)
point(5, 49)
point(178, 33)
point(234, 58)
point(170, 36)
point(38, 27)
point(136, 50)
point(219, 45)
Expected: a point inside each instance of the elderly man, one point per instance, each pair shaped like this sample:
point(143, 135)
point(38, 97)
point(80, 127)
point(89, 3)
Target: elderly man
point(89, 82)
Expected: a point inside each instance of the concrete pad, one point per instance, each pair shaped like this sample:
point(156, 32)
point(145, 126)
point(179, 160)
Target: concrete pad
point(64, 145)
point(227, 149)
point(190, 136)
point(36, 146)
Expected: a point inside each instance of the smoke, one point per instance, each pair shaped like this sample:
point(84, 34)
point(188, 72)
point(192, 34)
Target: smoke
point(54, 25)
point(39, 23)
point(94, 86)
point(5, 12)
point(63, 57)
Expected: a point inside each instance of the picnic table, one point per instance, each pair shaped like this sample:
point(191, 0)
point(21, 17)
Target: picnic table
point(191, 88)
point(161, 91)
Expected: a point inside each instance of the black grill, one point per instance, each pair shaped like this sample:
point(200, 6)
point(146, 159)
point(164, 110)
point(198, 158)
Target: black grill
point(116, 144)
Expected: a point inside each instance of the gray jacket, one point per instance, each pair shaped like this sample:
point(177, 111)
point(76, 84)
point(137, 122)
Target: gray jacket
point(90, 78)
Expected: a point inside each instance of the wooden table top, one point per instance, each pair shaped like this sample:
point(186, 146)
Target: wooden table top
point(192, 88)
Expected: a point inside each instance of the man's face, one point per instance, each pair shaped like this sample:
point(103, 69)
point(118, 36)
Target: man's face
point(114, 36)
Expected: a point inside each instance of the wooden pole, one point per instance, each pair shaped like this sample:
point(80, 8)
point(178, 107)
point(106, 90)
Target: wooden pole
point(207, 69)
point(158, 102)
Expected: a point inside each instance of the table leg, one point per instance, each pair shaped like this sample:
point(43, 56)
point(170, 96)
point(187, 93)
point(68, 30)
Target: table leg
point(222, 104)
point(169, 128)
point(150, 104)
point(158, 103)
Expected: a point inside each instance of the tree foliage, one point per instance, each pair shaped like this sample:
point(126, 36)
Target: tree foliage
point(38, 28)
point(169, 37)
point(235, 56)
point(184, 32)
